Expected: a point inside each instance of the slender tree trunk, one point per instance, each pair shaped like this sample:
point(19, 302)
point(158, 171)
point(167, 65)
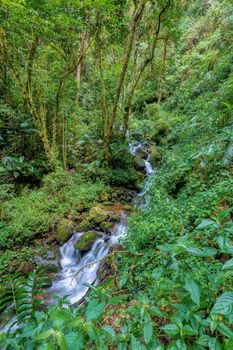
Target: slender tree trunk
point(143, 66)
point(163, 70)
point(138, 12)
point(84, 44)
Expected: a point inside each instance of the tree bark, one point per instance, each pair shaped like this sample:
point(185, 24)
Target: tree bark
point(163, 70)
point(141, 69)
point(138, 12)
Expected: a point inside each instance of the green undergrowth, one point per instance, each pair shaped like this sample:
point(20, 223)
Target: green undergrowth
point(37, 211)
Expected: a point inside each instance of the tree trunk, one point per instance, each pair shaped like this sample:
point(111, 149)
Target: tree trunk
point(163, 70)
point(143, 66)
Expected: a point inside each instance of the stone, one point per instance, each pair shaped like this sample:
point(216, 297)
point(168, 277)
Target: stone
point(115, 217)
point(98, 214)
point(25, 267)
point(139, 163)
point(64, 230)
point(107, 226)
point(84, 225)
point(155, 156)
point(85, 242)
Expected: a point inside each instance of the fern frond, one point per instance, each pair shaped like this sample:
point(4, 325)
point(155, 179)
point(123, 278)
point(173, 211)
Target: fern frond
point(228, 157)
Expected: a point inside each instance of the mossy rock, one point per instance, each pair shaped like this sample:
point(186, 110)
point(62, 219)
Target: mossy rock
point(139, 163)
point(115, 217)
point(155, 156)
point(86, 241)
point(105, 197)
point(84, 225)
point(98, 214)
point(64, 230)
point(107, 226)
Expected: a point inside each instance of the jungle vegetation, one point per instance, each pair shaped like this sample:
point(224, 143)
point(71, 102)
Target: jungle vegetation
point(79, 80)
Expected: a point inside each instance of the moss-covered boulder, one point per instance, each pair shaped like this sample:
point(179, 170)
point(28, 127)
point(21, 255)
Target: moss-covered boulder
point(98, 214)
point(139, 163)
point(155, 156)
point(86, 241)
point(107, 226)
point(115, 217)
point(84, 225)
point(64, 230)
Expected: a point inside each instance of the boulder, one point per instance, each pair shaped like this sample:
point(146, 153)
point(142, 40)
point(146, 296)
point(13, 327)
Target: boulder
point(98, 214)
point(141, 153)
point(107, 226)
point(139, 163)
point(86, 241)
point(115, 217)
point(84, 225)
point(155, 156)
point(64, 230)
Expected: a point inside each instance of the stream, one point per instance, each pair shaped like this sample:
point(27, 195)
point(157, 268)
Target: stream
point(77, 269)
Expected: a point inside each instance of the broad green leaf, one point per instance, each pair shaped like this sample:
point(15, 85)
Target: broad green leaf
point(206, 223)
point(203, 340)
point(192, 287)
point(74, 341)
point(94, 310)
point(228, 264)
point(123, 280)
point(61, 341)
point(109, 330)
point(155, 311)
point(171, 329)
point(225, 330)
point(224, 304)
point(147, 332)
point(214, 344)
point(136, 345)
point(188, 330)
point(229, 344)
point(45, 335)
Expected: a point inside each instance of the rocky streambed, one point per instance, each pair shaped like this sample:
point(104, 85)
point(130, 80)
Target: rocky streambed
point(84, 247)
point(74, 255)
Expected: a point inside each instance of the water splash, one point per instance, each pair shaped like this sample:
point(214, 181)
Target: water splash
point(79, 269)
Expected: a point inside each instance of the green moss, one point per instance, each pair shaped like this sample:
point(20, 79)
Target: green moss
point(86, 241)
point(98, 214)
point(64, 230)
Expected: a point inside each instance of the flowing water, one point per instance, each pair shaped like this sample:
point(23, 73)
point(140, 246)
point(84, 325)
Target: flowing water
point(78, 270)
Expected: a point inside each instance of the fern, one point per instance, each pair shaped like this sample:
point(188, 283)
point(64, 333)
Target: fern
point(20, 298)
point(228, 157)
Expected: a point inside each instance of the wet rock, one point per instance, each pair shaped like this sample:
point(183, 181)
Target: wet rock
point(141, 153)
point(107, 226)
point(64, 230)
point(115, 217)
point(98, 214)
point(86, 241)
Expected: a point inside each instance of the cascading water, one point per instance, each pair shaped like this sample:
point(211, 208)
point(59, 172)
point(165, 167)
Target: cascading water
point(78, 269)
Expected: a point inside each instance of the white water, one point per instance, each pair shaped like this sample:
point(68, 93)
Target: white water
point(77, 270)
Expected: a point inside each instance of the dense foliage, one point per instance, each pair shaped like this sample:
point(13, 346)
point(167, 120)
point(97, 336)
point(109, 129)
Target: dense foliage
point(80, 80)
